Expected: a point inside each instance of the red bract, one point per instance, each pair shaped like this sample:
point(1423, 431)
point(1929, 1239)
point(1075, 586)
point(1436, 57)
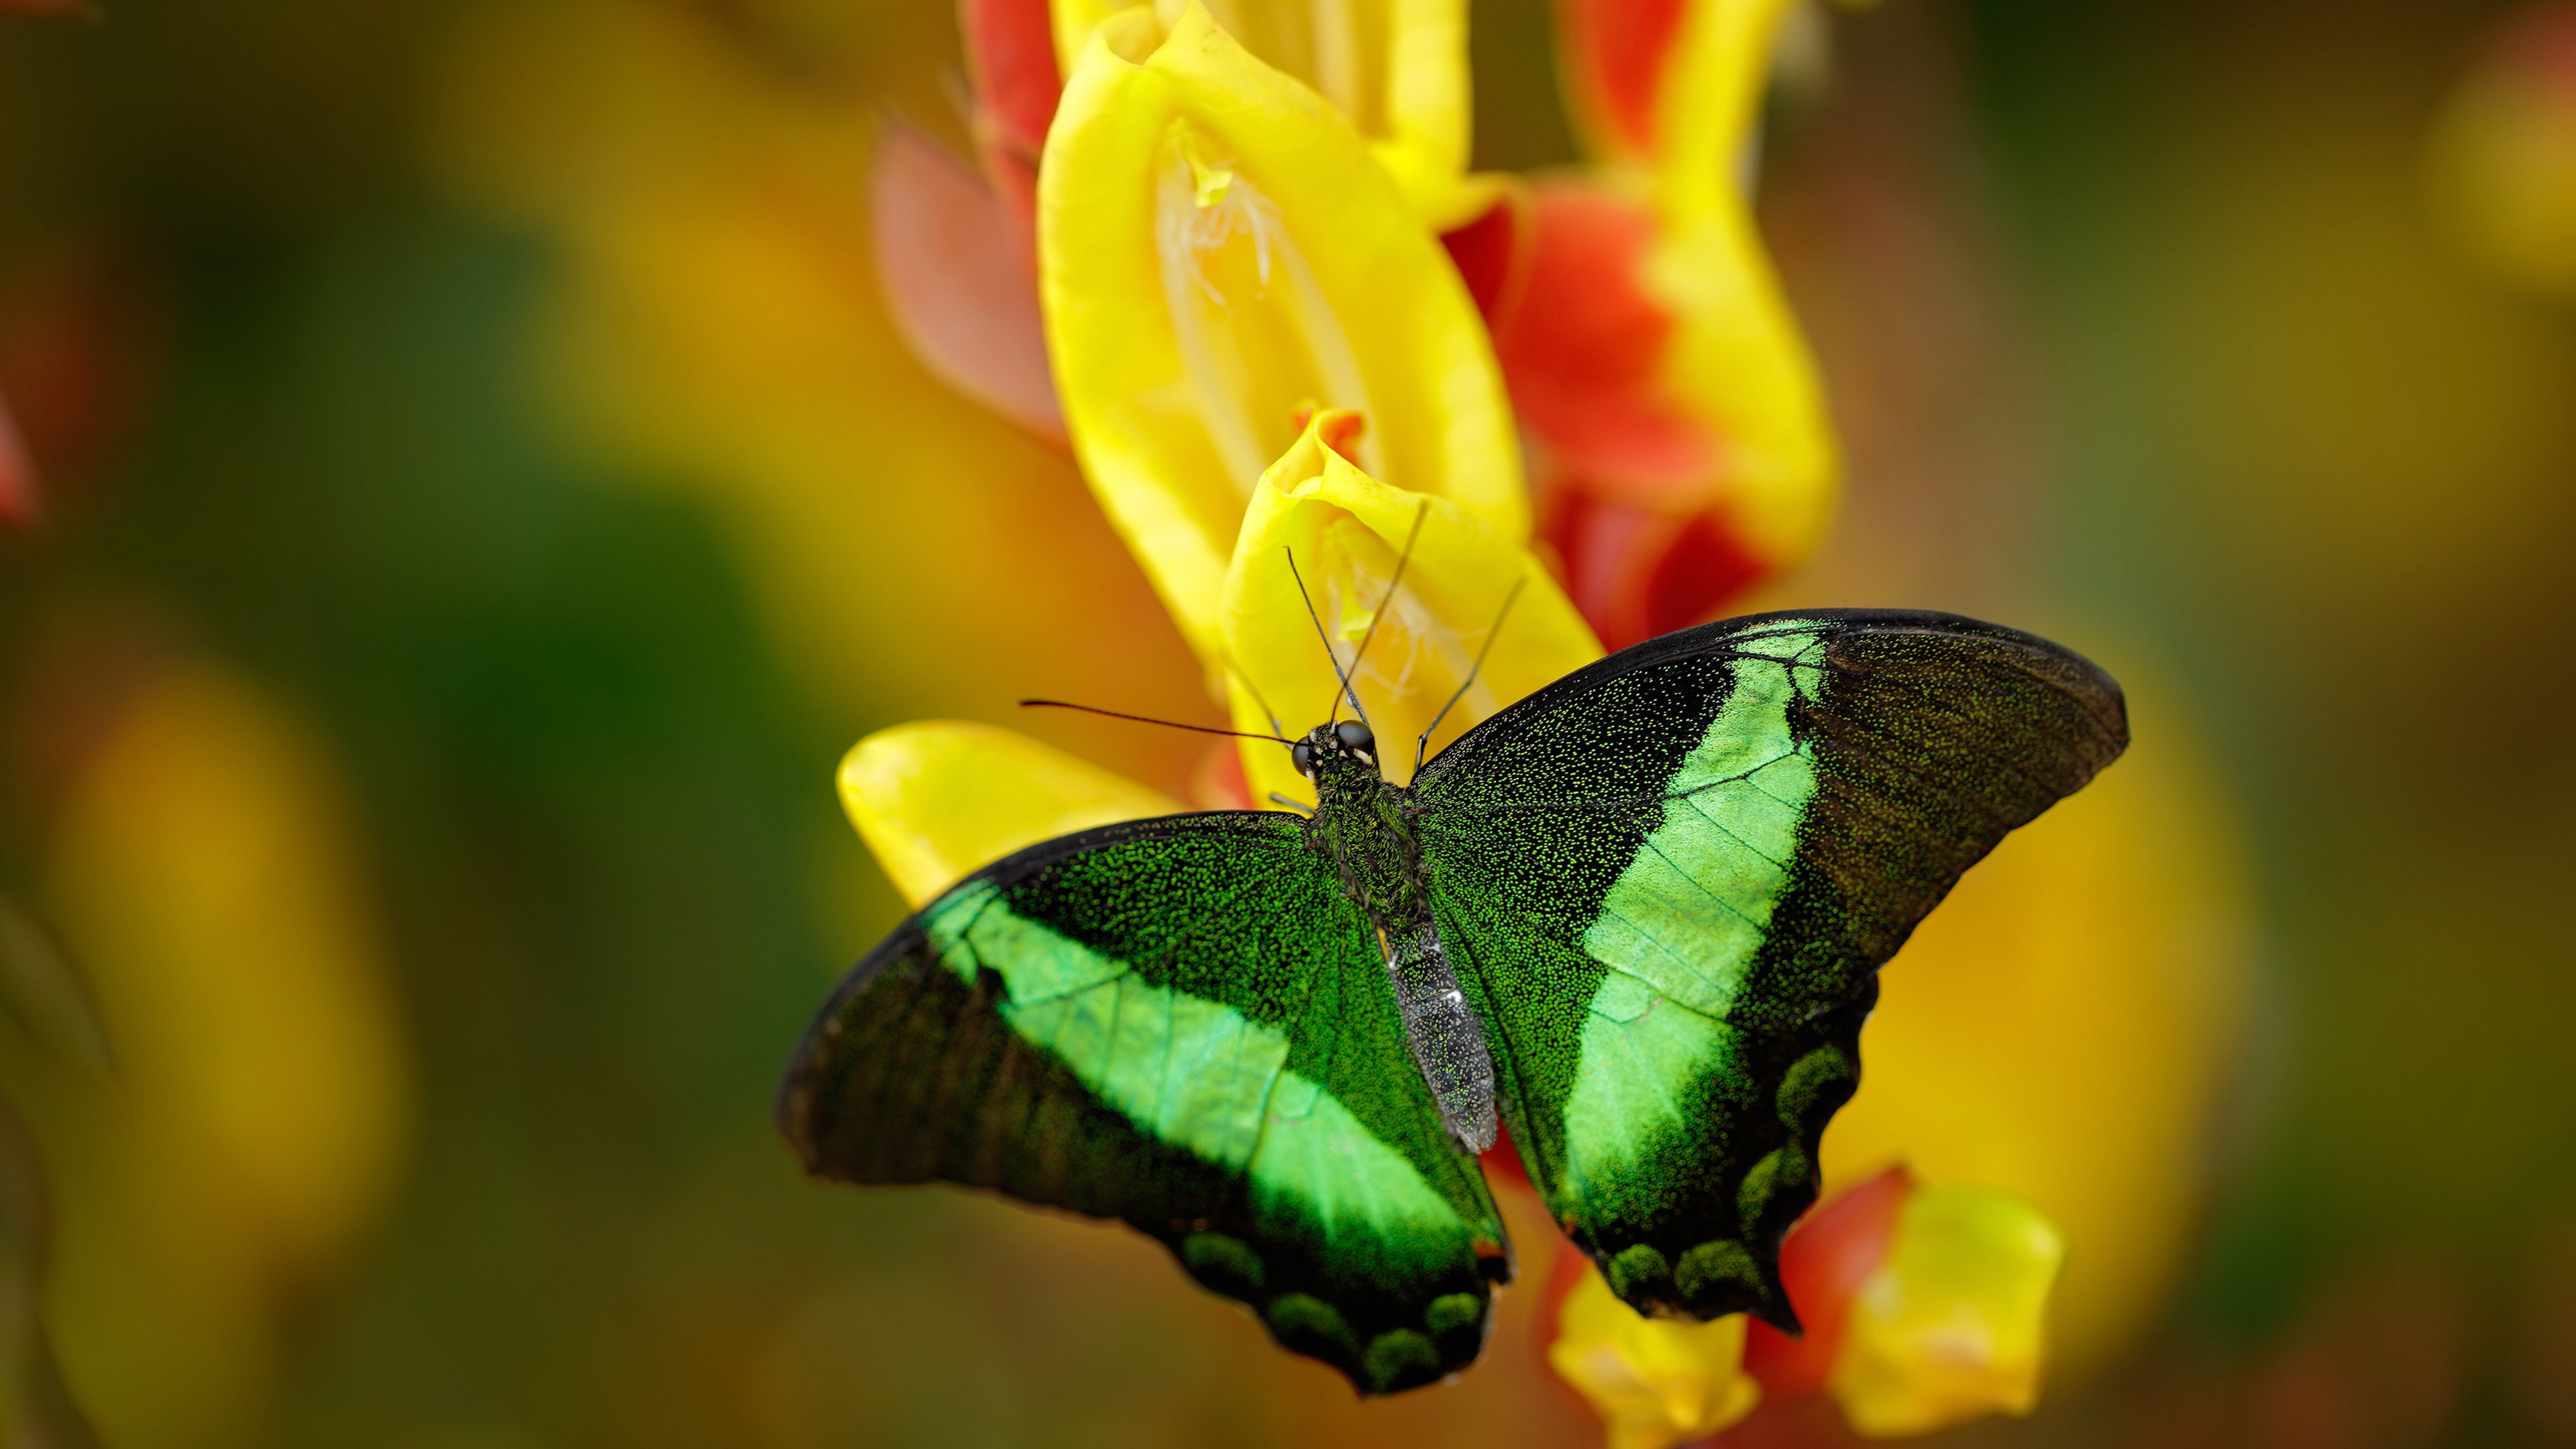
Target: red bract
point(1010, 53)
point(1582, 348)
point(1639, 572)
point(1614, 53)
point(961, 281)
point(1822, 1265)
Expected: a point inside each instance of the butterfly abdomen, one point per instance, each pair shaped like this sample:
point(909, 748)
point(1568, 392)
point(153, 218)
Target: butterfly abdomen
point(1366, 825)
point(1448, 1042)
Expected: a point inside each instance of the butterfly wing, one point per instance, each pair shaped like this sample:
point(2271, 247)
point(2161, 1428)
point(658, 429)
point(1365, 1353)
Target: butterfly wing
point(1670, 880)
point(1181, 1023)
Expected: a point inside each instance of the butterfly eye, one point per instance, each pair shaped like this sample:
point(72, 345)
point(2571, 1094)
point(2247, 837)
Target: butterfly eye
point(1302, 755)
point(1354, 735)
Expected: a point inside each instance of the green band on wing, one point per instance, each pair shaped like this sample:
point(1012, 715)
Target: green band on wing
point(1683, 923)
point(1198, 1075)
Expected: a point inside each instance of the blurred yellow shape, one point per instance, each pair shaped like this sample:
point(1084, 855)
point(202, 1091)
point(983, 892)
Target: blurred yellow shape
point(2504, 155)
point(1346, 530)
point(2061, 1028)
point(1949, 1328)
point(203, 874)
point(936, 799)
point(1397, 69)
point(1219, 256)
point(1655, 1384)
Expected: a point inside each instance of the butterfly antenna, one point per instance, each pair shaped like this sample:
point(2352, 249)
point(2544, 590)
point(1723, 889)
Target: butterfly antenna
point(1254, 690)
point(1423, 744)
point(1420, 516)
point(1326, 640)
point(1169, 724)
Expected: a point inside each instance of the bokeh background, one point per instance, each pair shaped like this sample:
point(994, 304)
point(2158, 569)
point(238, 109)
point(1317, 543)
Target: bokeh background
point(484, 496)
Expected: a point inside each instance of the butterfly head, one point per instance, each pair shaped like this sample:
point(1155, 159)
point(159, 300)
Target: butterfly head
point(1335, 749)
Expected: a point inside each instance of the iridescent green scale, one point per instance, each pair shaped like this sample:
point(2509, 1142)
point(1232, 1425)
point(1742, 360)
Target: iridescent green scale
point(1638, 914)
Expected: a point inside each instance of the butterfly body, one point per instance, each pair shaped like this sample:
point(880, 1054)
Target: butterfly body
point(1365, 825)
point(1636, 917)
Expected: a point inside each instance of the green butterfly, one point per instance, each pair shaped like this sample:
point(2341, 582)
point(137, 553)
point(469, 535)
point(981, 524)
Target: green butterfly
point(1638, 916)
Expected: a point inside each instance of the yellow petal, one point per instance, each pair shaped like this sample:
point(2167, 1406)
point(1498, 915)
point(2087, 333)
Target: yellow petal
point(1950, 1326)
point(1397, 69)
point(1346, 531)
point(936, 799)
point(1220, 254)
point(1654, 1383)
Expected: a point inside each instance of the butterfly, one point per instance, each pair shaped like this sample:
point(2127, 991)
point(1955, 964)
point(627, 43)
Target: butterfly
point(1635, 918)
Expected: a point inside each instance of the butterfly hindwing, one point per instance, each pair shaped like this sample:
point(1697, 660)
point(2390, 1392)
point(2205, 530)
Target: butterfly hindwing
point(1180, 1023)
point(1671, 879)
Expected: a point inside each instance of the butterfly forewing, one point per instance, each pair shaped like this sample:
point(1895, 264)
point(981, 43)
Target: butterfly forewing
point(1670, 880)
point(1183, 1024)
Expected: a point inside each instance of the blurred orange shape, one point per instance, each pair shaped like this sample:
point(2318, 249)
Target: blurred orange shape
point(17, 475)
point(960, 280)
point(2504, 155)
point(1950, 1326)
point(1824, 1262)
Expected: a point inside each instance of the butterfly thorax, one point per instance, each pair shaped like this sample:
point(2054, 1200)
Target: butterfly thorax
point(1362, 823)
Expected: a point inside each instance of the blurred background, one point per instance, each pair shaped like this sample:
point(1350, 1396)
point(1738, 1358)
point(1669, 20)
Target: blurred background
point(482, 495)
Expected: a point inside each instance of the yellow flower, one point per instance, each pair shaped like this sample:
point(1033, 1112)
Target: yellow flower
point(937, 798)
point(1923, 1308)
point(1950, 1326)
point(1655, 1384)
point(1346, 530)
point(1219, 255)
point(1396, 68)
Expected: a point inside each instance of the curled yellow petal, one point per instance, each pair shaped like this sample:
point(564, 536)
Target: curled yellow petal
point(1949, 1328)
point(938, 798)
point(1346, 531)
point(1396, 68)
point(1220, 256)
point(1655, 1384)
